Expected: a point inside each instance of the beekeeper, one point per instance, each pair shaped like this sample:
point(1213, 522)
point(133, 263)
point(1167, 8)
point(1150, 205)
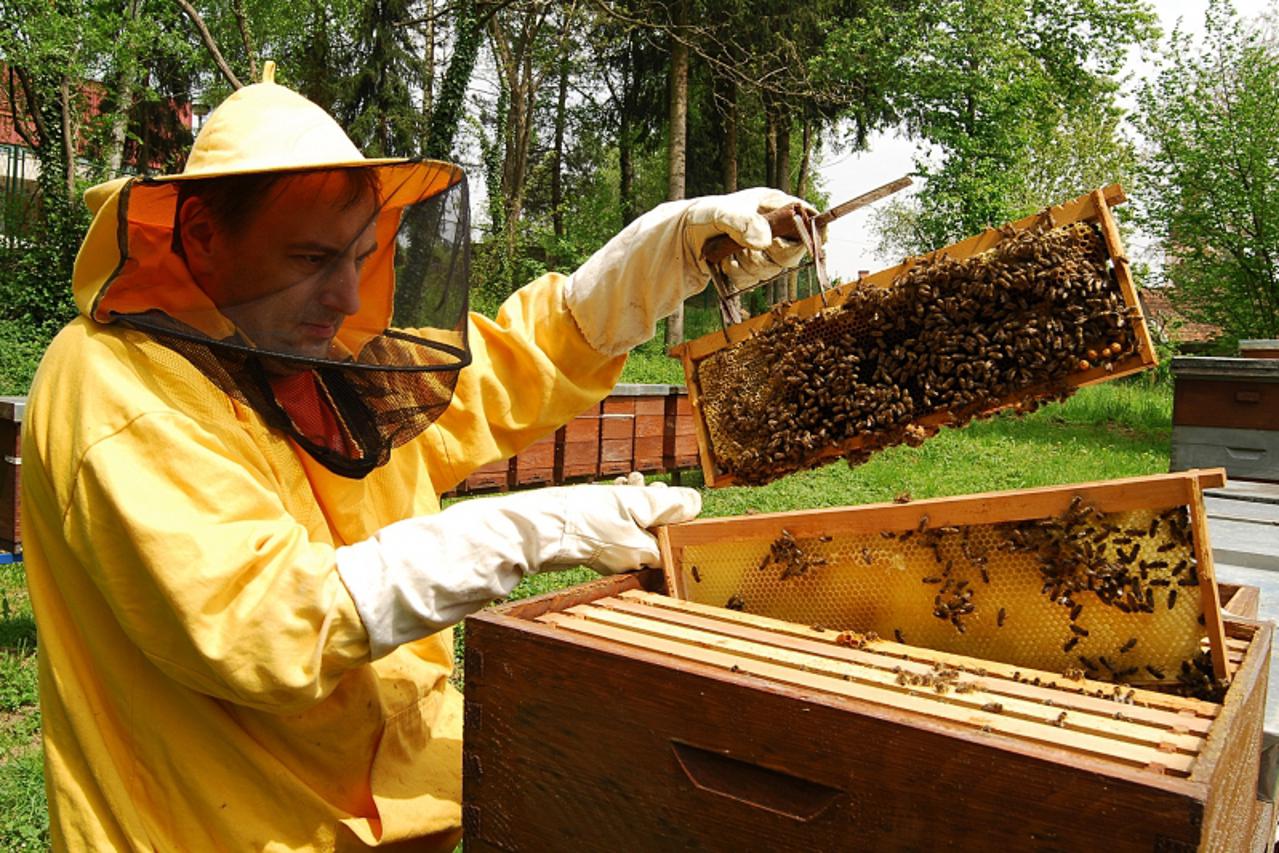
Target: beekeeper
point(232, 466)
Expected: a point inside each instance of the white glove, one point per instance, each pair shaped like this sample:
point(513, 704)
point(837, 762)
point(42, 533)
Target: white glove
point(656, 262)
point(420, 575)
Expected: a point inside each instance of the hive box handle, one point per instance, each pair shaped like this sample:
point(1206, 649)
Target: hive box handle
point(760, 787)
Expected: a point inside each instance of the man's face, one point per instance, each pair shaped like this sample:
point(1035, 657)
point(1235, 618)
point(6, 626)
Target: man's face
point(290, 275)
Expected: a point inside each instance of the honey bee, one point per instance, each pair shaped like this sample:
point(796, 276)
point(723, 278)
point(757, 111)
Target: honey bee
point(1128, 646)
point(1000, 617)
point(697, 576)
point(899, 636)
point(1078, 631)
point(736, 602)
point(993, 708)
point(1172, 598)
point(1070, 644)
point(1157, 673)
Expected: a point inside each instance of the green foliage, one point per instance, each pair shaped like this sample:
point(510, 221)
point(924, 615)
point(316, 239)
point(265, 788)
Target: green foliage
point(17, 679)
point(24, 819)
point(20, 353)
point(35, 274)
point(1014, 102)
point(447, 112)
point(1210, 182)
point(24, 814)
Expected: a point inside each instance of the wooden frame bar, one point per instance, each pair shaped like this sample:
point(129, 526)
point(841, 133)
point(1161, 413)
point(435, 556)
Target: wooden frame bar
point(1090, 207)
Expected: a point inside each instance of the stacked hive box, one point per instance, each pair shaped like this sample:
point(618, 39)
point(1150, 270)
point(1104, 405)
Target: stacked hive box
point(11, 411)
point(1226, 412)
point(638, 427)
point(1259, 348)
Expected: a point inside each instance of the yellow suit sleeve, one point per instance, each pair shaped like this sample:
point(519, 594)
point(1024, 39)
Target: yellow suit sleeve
point(531, 372)
point(211, 578)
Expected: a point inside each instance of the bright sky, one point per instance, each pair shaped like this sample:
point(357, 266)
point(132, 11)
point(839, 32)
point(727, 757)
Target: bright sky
point(851, 243)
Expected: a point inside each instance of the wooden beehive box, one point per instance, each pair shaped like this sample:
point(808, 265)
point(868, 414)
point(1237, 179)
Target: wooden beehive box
point(11, 411)
point(1226, 412)
point(611, 716)
point(721, 368)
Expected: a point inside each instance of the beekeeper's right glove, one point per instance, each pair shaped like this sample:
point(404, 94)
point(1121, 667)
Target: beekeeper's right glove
point(420, 575)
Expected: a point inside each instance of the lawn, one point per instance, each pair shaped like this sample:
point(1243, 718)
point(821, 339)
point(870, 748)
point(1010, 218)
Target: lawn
point(1119, 429)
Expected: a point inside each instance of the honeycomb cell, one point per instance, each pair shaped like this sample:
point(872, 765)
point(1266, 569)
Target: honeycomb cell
point(1114, 595)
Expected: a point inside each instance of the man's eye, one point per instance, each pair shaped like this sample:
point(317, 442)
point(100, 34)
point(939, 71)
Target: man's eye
point(313, 260)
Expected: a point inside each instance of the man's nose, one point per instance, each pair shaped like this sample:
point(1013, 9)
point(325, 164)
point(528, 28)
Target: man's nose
point(341, 290)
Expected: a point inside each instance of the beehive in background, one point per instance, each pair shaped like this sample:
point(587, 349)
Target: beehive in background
point(1008, 318)
point(1111, 579)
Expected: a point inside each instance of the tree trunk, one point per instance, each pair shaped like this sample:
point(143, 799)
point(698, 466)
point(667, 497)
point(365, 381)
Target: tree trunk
point(678, 145)
point(446, 112)
point(428, 60)
point(728, 173)
point(210, 44)
point(514, 48)
point(805, 160)
point(68, 137)
point(626, 131)
point(124, 84)
point(726, 100)
point(557, 172)
point(788, 286)
point(246, 36)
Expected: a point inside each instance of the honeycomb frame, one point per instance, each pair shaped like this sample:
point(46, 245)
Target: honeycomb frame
point(1091, 208)
point(872, 568)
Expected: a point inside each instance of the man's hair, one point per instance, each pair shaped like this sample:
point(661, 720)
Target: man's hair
point(231, 200)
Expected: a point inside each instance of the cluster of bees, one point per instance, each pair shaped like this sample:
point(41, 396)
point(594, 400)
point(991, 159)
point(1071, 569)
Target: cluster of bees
point(1085, 558)
point(785, 551)
point(1083, 551)
point(952, 339)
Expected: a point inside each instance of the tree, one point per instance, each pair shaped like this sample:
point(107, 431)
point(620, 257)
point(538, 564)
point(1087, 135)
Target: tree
point(1211, 175)
point(984, 104)
point(677, 143)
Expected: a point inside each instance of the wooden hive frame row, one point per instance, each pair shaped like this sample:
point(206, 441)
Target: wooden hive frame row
point(1142, 728)
point(1093, 207)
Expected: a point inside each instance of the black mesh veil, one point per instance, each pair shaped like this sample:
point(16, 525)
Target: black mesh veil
point(334, 302)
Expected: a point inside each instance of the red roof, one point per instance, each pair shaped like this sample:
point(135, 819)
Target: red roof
point(93, 92)
point(1164, 318)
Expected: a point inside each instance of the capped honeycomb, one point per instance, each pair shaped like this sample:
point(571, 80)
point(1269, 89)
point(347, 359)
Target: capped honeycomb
point(1114, 596)
point(950, 339)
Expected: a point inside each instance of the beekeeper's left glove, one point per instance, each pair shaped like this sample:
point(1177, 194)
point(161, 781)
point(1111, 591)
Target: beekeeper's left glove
point(656, 262)
point(420, 575)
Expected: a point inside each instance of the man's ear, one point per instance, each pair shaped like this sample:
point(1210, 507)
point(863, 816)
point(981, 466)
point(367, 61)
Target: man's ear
point(199, 236)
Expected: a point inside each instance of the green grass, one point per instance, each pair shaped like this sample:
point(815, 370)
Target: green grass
point(1119, 429)
point(24, 815)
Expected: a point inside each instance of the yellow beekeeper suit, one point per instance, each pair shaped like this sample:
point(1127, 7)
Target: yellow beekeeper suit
point(209, 679)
